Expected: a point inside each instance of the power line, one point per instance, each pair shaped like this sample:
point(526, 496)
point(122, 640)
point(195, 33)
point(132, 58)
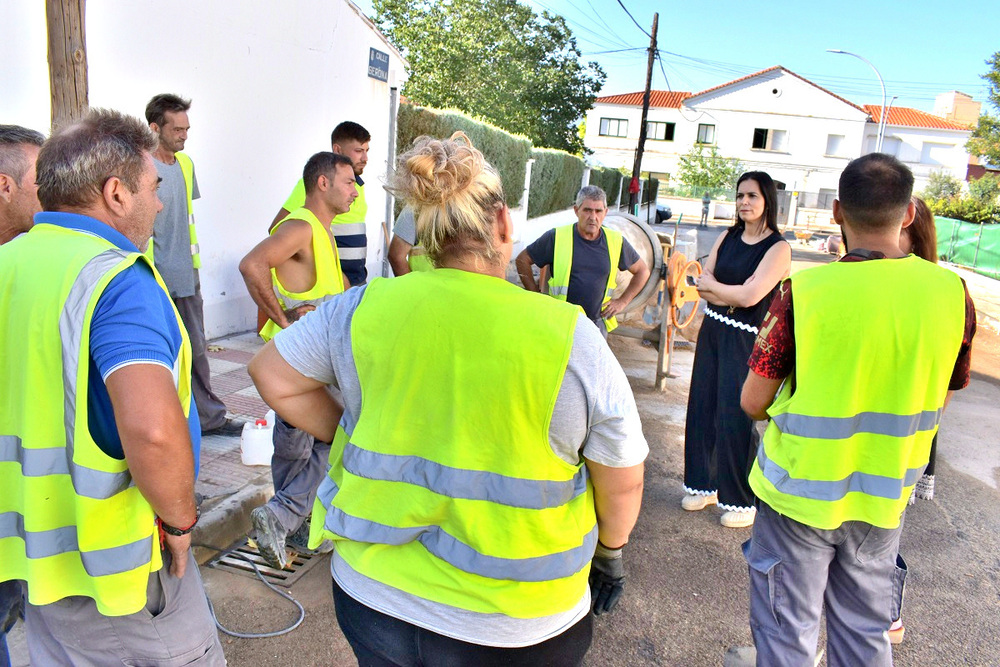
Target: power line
point(633, 19)
point(663, 71)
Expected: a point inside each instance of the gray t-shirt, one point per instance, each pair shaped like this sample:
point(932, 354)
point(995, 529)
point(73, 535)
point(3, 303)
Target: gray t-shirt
point(171, 237)
point(406, 226)
point(594, 417)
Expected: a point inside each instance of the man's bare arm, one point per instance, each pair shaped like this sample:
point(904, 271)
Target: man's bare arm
point(157, 446)
point(758, 395)
point(292, 237)
point(398, 250)
point(640, 274)
point(282, 214)
point(524, 264)
point(617, 498)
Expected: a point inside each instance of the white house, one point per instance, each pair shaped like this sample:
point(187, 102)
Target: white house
point(775, 121)
point(268, 81)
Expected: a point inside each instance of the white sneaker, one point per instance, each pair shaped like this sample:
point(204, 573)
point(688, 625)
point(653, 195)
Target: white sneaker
point(735, 519)
point(693, 502)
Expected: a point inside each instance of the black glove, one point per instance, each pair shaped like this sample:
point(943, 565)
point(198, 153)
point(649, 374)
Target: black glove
point(607, 578)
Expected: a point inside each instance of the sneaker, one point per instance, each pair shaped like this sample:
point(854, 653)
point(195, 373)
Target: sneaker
point(896, 632)
point(924, 488)
point(299, 541)
point(269, 537)
point(693, 502)
point(738, 519)
point(230, 427)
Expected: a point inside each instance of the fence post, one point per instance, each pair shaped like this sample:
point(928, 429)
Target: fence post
point(621, 184)
point(527, 186)
point(975, 259)
point(586, 177)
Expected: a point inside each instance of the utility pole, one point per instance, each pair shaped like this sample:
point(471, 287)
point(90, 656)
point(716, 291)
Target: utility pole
point(633, 197)
point(67, 59)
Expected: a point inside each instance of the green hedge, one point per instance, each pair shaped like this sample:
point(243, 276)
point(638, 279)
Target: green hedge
point(507, 152)
point(556, 177)
point(608, 180)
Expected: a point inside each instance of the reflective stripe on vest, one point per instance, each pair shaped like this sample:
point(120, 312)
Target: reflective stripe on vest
point(187, 171)
point(870, 381)
point(329, 278)
point(432, 508)
point(71, 520)
point(562, 266)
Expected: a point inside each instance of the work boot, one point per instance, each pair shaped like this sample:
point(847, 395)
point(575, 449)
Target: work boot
point(299, 541)
point(269, 537)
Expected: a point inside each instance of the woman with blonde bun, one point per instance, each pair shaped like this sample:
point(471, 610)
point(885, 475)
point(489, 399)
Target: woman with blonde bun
point(479, 492)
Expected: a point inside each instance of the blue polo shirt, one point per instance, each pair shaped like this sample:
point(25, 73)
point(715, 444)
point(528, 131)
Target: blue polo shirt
point(133, 323)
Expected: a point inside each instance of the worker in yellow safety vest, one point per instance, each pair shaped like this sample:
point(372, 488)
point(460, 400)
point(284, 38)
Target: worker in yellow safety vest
point(405, 252)
point(854, 386)
point(288, 274)
point(98, 430)
point(175, 252)
point(352, 141)
point(585, 259)
point(461, 529)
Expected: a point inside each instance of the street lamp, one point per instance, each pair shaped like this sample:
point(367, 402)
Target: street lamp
point(881, 124)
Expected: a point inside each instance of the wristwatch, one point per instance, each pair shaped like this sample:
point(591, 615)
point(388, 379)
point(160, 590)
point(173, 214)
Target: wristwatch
point(170, 530)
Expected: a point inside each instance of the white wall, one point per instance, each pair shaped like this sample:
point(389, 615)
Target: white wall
point(909, 144)
point(269, 82)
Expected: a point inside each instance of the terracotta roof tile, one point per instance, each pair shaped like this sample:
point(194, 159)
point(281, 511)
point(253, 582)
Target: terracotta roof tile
point(657, 98)
point(908, 117)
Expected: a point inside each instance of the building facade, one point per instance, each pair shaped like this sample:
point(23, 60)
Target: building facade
point(775, 121)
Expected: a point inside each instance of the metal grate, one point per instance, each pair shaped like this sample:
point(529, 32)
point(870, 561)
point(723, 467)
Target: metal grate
point(232, 560)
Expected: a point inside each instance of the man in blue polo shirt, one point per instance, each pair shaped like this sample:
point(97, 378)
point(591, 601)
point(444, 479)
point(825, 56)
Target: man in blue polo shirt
point(110, 465)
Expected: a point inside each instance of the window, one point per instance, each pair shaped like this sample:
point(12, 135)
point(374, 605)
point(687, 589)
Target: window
point(706, 134)
point(933, 153)
point(660, 131)
point(614, 127)
point(769, 140)
point(835, 145)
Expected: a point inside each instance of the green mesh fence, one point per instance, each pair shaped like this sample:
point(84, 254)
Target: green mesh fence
point(968, 244)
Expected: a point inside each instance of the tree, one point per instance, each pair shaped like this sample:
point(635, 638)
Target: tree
point(708, 170)
point(985, 190)
point(985, 140)
point(495, 59)
point(941, 185)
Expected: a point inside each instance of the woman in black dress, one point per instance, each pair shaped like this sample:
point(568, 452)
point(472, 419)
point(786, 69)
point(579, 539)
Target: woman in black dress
point(742, 272)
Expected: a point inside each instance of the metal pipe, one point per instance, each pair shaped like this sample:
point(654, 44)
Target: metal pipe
point(881, 125)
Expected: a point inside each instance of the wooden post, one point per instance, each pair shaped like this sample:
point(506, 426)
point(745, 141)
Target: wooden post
point(67, 59)
point(633, 200)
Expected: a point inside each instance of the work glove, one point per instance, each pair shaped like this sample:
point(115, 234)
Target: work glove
point(607, 578)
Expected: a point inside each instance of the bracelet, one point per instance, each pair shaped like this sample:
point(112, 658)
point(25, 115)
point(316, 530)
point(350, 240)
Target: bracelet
point(170, 530)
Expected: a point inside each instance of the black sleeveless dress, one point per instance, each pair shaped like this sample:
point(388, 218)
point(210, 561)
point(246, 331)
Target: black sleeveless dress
point(719, 438)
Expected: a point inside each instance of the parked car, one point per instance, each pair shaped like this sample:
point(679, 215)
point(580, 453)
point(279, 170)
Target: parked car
point(663, 213)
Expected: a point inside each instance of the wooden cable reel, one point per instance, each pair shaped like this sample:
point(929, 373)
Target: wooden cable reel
point(679, 269)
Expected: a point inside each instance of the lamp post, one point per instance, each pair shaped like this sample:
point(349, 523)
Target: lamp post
point(881, 124)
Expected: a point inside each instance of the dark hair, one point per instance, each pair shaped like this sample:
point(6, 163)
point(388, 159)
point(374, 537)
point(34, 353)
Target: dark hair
point(13, 160)
point(76, 161)
point(349, 130)
point(158, 107)
point(922, 232)
point(320, 164)
point(874, 192)
point(770, 192)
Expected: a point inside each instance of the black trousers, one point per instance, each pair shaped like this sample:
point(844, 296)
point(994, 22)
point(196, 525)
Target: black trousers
point(379, 640)
point(720, 440)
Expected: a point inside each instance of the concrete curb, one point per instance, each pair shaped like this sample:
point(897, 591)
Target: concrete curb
point(228, 519)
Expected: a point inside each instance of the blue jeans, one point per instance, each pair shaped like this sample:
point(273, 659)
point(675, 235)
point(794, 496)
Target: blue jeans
point(379, 640)
point(11, 609)
point(796, 570)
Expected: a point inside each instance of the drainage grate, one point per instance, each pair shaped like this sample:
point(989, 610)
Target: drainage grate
point(235, 558)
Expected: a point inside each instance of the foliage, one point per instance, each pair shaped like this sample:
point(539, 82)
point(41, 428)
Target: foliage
point(985, 140)
point(941, 185)
point(703, 167)
point(609, 180)
point(497, 60)
point(965, 208)
point(650, 190)
point(985, 190)
point(555, 179)
point(506, 152)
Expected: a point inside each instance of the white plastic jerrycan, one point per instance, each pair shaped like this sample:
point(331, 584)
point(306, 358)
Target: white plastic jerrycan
point(256, 445)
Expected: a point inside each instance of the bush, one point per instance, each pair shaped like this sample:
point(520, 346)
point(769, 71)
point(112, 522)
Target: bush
point(965, 208)
point(556, 177)
point(941, 185)
point(507, 152)
point(609, 180)
point(986, 189)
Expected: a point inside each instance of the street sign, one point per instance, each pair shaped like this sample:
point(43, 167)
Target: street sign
point(378, 64)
